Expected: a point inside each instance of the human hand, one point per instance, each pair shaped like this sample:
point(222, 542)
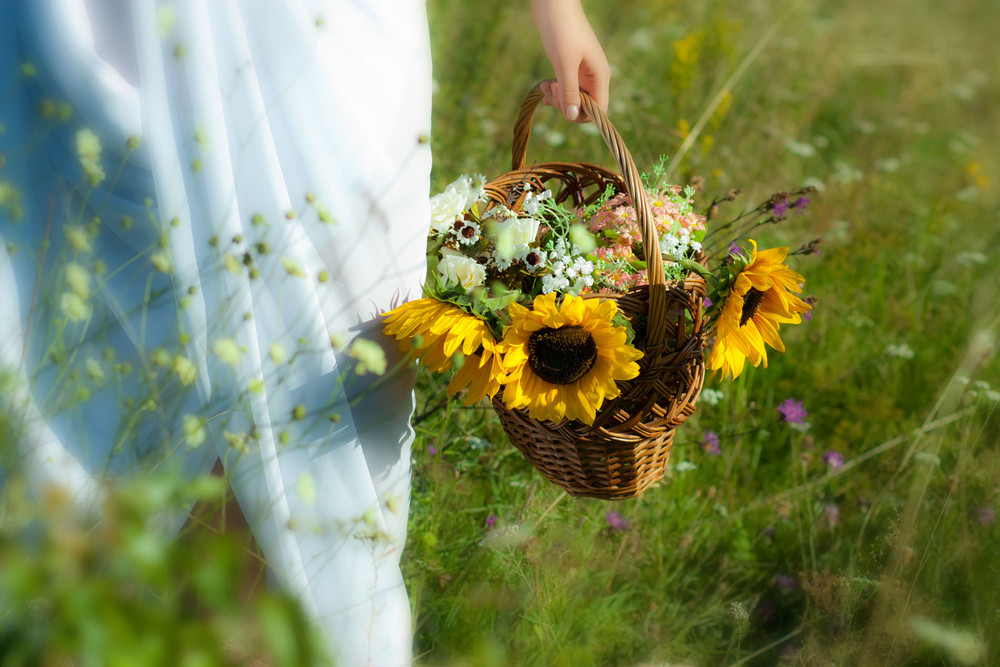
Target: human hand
point(575, 54)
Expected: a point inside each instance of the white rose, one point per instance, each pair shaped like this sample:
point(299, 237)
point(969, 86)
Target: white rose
point(448, 206)
point(524, 232)
point(461, 269)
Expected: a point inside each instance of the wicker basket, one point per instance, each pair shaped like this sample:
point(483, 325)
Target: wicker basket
point(627, 447)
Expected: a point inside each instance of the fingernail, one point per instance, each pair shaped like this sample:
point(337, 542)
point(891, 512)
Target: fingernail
point(572, 112)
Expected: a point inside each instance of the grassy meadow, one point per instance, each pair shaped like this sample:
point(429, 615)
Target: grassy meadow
point(769, 550)
point(862, 532)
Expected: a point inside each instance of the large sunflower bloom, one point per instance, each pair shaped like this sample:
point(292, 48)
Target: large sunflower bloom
point(759, 300)
point(562, 362)
point(434, 332)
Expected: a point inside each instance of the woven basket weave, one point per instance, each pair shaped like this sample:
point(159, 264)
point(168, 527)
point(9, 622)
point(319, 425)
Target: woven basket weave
point(627, 447)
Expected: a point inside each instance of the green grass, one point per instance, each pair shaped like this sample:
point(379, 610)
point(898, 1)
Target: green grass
point(890, 109)
point(761, 554)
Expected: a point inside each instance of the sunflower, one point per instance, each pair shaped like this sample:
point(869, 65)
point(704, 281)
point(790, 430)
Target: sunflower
point(435, 332)
point(758, 301)
point(563, 361)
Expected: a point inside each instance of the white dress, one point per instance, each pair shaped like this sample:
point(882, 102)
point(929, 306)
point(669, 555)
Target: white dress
point(277, 198)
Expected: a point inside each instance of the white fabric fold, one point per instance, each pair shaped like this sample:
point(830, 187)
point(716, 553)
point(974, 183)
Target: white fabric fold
point(290, 136)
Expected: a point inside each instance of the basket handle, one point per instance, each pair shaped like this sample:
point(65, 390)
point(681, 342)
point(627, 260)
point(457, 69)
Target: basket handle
point(633, 185)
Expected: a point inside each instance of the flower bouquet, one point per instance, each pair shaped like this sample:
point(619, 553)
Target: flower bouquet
point(574, 299)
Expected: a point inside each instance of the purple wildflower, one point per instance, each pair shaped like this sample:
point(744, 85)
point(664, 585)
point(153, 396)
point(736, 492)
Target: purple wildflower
point(785, 583)
point(780, 209)
point(491, 520)
point(432, 451)
point(808, 315)
point(833, 458)
point(708, 302)
point(800, 205)
point(616, 520)
point(710, 443)
point(987, 516)
point(734, 249)
point(793, 411)
point(832, 515)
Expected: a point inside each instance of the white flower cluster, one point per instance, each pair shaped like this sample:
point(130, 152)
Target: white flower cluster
point(531, 200)
point(571, 271)
point(679, 244)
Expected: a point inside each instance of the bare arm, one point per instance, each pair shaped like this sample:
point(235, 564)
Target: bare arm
point(575, 53)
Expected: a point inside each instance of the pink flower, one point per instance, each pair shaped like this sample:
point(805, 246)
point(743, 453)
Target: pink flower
point(793, 411)
point(491, 520)
point(710, 443)
point(616, 520)
point(833, 458)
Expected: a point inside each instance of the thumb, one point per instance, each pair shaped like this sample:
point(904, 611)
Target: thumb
point(569, 94)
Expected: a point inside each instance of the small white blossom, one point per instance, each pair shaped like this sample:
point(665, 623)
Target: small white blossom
point(902, 351)
point(468, 234)
point(711, 396)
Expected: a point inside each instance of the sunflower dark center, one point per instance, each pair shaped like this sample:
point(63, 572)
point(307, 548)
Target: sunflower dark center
point(563, 355)
point(751, 302)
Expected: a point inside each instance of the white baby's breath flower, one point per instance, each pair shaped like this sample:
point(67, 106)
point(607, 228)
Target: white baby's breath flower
point(194, 430)
point(185, 369)
point(456, 267)
point(74, 308)
point(902, 351)
point(711, 396)
point(78, 280)
point(369, 355)
point(228, 350)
